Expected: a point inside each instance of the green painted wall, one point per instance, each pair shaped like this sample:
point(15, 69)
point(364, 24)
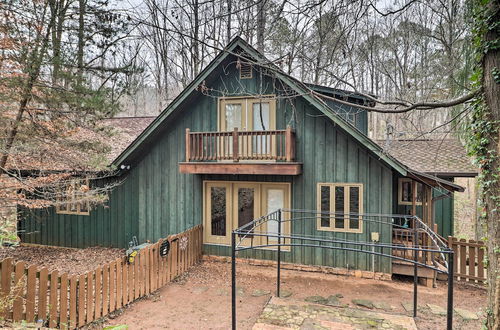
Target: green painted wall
point(155, 200)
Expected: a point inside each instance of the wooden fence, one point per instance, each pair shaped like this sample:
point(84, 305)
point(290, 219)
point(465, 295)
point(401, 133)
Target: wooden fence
point(468, 259)
point(70, 301)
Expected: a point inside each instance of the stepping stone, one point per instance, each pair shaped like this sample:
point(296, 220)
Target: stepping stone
point(437, 310)
point(382, 305)
point(466, 315)
point(316, 300)
point(333, 300)
point(363, 303)
point(260, 293)
point(285, 293)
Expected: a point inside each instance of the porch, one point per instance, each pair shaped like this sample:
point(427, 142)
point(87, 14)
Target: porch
point(269, 152)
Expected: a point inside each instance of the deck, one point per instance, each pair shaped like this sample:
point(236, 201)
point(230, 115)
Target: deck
point(270, 152)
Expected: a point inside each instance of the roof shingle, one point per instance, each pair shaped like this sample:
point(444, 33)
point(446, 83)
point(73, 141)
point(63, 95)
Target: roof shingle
point(443, 157)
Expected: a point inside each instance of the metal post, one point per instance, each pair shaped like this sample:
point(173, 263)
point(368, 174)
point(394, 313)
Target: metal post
point(449, 312)
point(415, 267)
point(279, 255)
point(233, 280)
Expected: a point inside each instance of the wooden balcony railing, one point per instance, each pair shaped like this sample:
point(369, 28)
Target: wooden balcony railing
point(277, 145)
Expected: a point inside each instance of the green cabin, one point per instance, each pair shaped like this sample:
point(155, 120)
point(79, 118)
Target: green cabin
point(242, 140)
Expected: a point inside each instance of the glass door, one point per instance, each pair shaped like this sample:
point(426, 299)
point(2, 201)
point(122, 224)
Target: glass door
point(246, 208)
point(217, 212)
point(275, 197)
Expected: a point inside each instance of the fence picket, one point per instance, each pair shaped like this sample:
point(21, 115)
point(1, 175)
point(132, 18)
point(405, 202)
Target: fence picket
point(90, 297)
point(137, 276)
point(125, 282)
point(19, 284)
point(98, 293)
point(63, 302)
point(472, 259)
point(147, 271)
point(6, 280)
point(54, 282)
point(480, 261)
point(105, 290)
point(31, 293)
point(81, 300)
point(73, 299)
point(112, 287)
point(119, 271)
point(42, 294)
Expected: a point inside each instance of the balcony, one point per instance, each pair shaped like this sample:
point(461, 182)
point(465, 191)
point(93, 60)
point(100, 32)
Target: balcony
point(241, 152)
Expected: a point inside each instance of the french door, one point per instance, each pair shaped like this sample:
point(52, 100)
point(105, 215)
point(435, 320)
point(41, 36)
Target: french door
point(229, 205)
point(248, 114)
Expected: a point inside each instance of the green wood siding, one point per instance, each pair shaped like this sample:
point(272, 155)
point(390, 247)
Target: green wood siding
point(155, 200)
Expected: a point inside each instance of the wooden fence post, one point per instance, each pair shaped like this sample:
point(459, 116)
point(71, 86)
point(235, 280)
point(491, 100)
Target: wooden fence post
point(63, 302)
point(20, 284)
point(42, 294)
point(54, 282)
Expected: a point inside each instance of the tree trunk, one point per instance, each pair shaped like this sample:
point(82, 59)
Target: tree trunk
point(81, 37)
point(491, 196)
point(261, 25)
point(195, 41)
point(229, 18)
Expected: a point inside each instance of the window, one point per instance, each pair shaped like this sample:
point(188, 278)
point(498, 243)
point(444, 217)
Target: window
point(247, 114)
point(229, 205)
point(406, 192)
point(340, 206)
point(73, 199)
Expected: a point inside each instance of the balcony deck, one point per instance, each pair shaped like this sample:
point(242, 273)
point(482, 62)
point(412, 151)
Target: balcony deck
point(241, 152)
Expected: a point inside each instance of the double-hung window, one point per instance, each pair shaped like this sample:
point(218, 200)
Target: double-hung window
point(340, 206)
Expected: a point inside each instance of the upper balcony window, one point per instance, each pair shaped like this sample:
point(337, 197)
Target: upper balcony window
point(247, 114)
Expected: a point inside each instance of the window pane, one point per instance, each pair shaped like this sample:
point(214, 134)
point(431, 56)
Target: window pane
point(406, 191)
point(339, 207)
point(245, 206)
point(419, 192)
point(233, 116)
point(261, 116)
point(275, 201)
point(325, 206)
point(354, 207)
point(218, 211)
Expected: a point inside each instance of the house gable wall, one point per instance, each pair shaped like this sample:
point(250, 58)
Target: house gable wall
point(155, 200)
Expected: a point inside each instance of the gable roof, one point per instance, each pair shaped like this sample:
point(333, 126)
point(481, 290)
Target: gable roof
point(299, 87)
point(295, 84)
point(449, 159)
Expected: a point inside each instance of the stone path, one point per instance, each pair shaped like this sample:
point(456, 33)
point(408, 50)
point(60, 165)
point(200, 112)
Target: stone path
point(283, 314)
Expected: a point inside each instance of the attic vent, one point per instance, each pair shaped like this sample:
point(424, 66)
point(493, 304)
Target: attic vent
point(245, 70)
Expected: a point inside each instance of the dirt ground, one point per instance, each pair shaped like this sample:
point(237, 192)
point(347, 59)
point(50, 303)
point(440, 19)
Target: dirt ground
point(72, 261)
point(201, 298)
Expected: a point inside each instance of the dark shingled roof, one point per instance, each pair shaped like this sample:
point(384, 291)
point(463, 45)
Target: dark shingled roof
point(440, 157)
